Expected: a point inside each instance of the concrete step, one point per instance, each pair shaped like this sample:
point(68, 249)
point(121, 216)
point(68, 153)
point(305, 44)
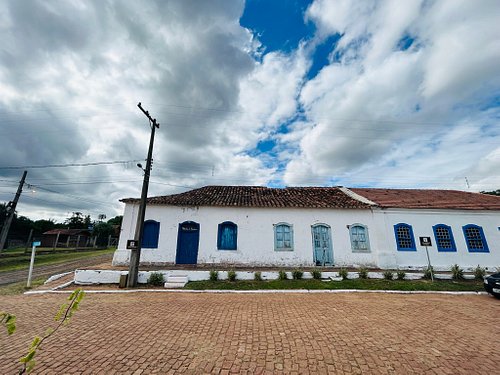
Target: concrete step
point(176, 281)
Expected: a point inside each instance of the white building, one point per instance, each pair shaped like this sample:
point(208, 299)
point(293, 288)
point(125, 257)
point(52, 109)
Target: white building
point(316, 226)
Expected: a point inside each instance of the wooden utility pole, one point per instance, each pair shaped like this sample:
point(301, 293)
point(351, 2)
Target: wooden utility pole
point(135, 254)
point(11, 209)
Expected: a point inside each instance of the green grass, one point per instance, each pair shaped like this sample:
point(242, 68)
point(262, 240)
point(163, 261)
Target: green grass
point(369, 284)
point(23, 261)
point(18, 288)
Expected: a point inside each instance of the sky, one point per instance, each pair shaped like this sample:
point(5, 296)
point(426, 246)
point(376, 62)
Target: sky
point(264, 92)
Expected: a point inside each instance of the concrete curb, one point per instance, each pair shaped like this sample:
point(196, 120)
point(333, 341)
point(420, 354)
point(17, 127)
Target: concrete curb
point(269, 291)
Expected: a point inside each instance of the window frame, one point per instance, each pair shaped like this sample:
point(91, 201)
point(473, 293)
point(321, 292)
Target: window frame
point(275, 229)
point(367, 238)
point(485, 248)
point(220, 227)
point(453, 248)
point(413, 246)
point(157, 240)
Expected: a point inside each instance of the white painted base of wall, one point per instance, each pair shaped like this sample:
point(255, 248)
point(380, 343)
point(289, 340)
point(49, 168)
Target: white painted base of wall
point(89, 277)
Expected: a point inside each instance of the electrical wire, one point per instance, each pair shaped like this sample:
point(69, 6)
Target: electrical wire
point(70, 164)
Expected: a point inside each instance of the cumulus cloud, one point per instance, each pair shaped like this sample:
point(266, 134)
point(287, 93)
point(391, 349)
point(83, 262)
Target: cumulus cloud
point(399, 110)
point(408, 91)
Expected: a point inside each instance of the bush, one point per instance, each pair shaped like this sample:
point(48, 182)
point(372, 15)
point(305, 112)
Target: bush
point(231, 275)
point(388, 275)
point(363, 273)
point(343, 273)
point(282, 275)
point(316, 274)
point(456, 272)
point(479, 273)
point(214, 275)
point(297, 274)
point(427, 272)
point(401, 275)
point(257, 276)
point(156, 279)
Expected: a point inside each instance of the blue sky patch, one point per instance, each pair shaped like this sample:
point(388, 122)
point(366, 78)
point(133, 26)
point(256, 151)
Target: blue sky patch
point(405, 42)
point(321, 55)
point(278, 24)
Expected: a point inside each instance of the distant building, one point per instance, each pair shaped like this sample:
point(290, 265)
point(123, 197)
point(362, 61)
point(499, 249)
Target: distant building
point(316, 226)
point(66, 238)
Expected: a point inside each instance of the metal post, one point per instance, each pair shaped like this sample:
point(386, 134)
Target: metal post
point(135, 254)
point(32, 262)
point(429, 262)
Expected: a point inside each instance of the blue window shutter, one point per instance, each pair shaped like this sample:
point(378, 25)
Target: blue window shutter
point(283, 237)
point(444, 238)
point(404, 237)
point(150, 234)
point(227, 236)
point(475, 239)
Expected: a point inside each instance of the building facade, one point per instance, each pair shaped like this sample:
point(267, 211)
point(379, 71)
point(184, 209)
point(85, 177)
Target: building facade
point(293, 227)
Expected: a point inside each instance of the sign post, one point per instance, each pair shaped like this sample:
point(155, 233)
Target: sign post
point(32, 262)
point(426, 241)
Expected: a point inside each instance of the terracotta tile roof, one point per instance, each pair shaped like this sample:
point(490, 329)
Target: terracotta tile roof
point(417, 198)
point(256, 196)
point(71, 232)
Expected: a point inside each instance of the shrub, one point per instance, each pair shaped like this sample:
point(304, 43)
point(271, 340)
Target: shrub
point(388, 275)
point(427, 272)
point(401, 275)
point(316, 274)
point(363, 273)
point(214, 275)
point(479, 273)
point(257, 276)
point(343, 273)
point(282, 275)
point(297, 274)
point(231, 275)
point(156, 279)
point(456, 272)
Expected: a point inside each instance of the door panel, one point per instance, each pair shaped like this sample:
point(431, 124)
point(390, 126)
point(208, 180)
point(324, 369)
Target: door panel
point(323, 253)
point(188, 238)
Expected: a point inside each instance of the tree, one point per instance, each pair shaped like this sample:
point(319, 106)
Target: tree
point(78, 221)
point(102, 231)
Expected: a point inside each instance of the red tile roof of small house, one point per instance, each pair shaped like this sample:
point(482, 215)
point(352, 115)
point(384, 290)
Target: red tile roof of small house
point(257, 196)
point(419, 198)
point(71, 232)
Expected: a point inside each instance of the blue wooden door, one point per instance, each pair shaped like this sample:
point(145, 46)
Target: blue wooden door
point(188, 238)
point(323, 252)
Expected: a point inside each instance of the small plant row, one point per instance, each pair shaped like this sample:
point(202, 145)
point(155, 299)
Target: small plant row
point(157, 278)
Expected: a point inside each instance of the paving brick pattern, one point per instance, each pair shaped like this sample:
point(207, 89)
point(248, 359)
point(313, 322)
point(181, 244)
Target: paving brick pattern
point(170, 333)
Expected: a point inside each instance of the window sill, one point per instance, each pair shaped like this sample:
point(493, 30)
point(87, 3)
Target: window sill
point(285, 250)
point(227, 249)
point(361, 251)
point(407, 249)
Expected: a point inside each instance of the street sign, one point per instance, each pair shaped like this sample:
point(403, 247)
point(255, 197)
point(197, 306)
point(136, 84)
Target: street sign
point(132, 244)
point(37, 243)
point(425, 241)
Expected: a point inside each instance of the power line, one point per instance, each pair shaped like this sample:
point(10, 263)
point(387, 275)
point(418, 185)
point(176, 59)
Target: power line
point(71, 164)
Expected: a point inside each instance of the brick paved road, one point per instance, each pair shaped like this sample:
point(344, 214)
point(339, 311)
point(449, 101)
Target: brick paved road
point(261, 333)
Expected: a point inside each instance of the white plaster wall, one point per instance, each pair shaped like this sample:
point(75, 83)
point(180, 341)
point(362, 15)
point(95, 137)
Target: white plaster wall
point(422, 222)
point(255, 235)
